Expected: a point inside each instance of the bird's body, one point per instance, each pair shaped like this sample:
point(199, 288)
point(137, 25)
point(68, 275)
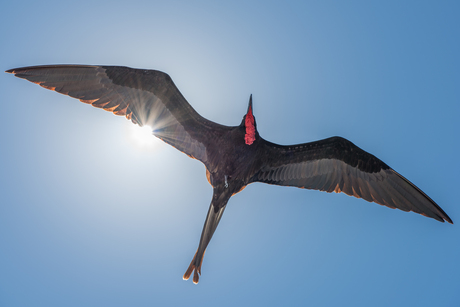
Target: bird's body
point(233, 156)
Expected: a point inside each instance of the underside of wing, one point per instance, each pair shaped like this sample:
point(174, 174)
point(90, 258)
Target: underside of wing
point(337, 165)
point(146, 97)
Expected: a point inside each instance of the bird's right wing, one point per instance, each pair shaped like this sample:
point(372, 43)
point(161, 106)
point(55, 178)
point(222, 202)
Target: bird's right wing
point(337, 165)
point(146, 97)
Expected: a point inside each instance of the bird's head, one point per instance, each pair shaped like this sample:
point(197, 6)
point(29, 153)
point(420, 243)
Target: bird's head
point(249, 123)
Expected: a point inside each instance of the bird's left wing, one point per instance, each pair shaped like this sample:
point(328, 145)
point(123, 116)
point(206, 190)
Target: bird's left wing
point(337, 165)
point(146, 97)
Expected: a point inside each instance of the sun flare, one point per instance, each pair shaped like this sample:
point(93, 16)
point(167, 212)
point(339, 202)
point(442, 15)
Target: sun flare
point(143, 136)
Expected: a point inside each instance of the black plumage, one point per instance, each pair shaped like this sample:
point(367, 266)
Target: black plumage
point(233, 156)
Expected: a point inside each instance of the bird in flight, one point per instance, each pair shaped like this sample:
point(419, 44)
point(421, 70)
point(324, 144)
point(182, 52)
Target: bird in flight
point(233, 156)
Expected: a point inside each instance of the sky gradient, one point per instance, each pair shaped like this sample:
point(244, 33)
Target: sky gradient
point(90, 218)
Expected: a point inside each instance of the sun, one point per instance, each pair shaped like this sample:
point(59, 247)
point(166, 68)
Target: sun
point(142, 136)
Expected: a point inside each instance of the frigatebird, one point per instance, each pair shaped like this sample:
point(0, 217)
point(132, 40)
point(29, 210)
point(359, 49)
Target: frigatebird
point(233, 156)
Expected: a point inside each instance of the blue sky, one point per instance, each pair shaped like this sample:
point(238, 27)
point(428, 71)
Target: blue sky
point(88, 218)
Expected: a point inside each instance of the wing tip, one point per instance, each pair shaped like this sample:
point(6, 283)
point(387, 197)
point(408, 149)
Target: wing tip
point(440, 215)
point(437, 212)
point(19, 69)
point(443, 215)
point(447, 219)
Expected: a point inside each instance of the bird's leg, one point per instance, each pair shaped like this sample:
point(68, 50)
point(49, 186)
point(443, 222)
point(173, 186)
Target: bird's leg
point(216, 209)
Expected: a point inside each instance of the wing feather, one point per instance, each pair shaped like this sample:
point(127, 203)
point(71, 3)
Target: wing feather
point(146, 97)
point(336, 164)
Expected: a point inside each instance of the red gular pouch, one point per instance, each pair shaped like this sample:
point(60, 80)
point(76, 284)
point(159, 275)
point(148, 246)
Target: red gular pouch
point(250, 135)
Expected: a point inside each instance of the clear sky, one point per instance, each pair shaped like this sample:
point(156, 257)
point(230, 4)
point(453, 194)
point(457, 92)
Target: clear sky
point(89, 218)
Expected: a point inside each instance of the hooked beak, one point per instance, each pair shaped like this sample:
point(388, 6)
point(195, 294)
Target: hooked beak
point(250, 125)
point(250, 105)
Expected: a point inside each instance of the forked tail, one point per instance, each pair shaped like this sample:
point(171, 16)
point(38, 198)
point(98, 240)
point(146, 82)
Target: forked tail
point(216, 209)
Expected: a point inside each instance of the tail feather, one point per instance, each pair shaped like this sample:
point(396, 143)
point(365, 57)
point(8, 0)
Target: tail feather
point(193, 267)
point(216, 209)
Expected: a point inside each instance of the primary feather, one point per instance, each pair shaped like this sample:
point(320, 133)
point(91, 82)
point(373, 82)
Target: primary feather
point(233, 156)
